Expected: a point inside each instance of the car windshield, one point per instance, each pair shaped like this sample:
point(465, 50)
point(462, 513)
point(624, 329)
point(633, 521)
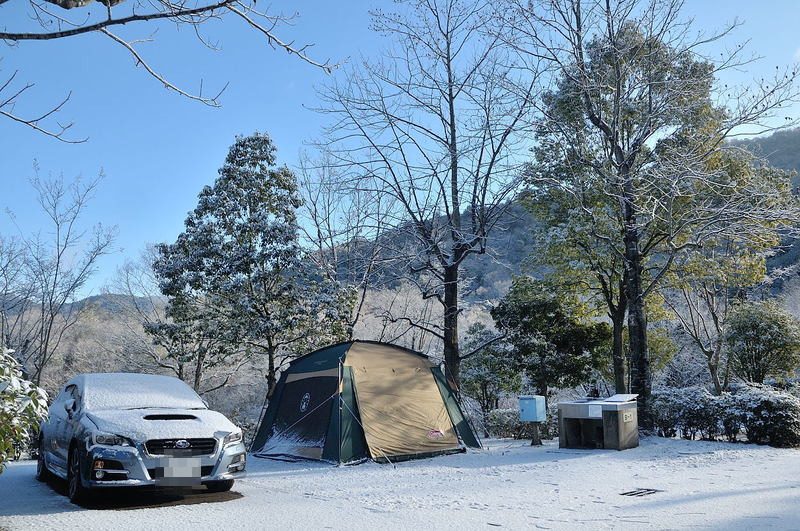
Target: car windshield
point(138, 391)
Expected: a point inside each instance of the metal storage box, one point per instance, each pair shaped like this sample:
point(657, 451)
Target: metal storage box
point(532, 408)
point(610, 423)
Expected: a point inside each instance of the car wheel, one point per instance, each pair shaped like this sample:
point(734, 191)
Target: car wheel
point(42, 474)
point(220, 486)
point(75, 490)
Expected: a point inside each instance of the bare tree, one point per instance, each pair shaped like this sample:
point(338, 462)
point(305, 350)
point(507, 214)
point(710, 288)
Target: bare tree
point(54, 20)
point(343, 229)
point(434, 128)
point(15, 294)
point(636, 112)
point(57, 266)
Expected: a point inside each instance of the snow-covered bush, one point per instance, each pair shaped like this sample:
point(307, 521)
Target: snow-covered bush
point(766, 415)
point(506, 423)
point(503, 423)
point(769, 416)
point(690, 412)
point(731, 416)
point(22, 406)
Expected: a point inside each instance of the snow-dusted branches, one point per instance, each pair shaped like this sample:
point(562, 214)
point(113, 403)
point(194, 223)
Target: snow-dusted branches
point(56, 267)
point(437, 129)
point(632, 133)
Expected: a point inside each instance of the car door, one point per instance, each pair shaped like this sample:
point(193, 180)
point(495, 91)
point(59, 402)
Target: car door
point(51, 429)
point(62, 434)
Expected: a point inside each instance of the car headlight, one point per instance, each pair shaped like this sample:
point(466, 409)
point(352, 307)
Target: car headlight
point(232, 437)
point(108, 439)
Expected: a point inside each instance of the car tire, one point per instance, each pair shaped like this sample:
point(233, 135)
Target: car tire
point(42, 474)
point(75, 490)
point(220, 486)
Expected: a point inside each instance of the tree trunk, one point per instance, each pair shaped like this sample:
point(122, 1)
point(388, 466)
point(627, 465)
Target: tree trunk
point(452, 362)
point(641, 381)
point(713, 369)
point(272, 381)
point(541, 389)
point(198, 372)
point(637, 330)
point(536, 434)
point(618, 351)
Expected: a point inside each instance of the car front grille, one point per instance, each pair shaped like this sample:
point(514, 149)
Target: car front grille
point(168, 447)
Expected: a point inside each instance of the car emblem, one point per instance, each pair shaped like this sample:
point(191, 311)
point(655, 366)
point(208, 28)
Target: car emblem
point(182, 444)
point(304, 402)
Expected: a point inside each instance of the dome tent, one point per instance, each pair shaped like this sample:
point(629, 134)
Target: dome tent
point(362, 400)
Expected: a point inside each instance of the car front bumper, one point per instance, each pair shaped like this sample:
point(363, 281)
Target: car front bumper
point(131, 466)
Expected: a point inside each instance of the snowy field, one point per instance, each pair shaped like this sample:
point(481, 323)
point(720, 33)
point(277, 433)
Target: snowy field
point(509, 485)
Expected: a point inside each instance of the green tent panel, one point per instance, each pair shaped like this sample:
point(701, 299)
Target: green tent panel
point(463, 427)
point(362, 400)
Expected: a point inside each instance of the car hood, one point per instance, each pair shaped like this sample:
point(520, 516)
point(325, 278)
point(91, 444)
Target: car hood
point(141, 425)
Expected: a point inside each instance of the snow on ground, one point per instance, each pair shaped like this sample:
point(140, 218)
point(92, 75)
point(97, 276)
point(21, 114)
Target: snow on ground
point(509, 485)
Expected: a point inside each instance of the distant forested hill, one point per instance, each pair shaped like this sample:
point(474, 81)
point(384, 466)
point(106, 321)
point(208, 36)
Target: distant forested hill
point(782, 150)
point(489, 275)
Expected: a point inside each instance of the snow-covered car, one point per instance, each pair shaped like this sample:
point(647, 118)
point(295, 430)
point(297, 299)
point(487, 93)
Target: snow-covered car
point(119, 430)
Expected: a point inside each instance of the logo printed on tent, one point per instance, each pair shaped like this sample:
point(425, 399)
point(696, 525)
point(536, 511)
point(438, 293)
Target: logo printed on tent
point(435, 434)
point(304, 402)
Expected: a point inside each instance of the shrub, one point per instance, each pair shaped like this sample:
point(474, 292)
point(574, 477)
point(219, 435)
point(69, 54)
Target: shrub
point(506, 423)
point(769, 416)
point(691, 412)
point(766, 415)
point(22, 406)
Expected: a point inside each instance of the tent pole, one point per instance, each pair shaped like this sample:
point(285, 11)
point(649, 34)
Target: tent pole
point(339, 404)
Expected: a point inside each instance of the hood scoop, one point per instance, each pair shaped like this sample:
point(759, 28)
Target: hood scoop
point(170, 416)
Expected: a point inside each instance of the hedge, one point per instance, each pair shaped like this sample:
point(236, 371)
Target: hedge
point(763, 414)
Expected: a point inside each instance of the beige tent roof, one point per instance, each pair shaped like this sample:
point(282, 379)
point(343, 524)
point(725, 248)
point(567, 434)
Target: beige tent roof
point(401, 407)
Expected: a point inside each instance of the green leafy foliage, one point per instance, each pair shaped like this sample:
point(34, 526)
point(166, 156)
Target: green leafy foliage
point(551, 340)
point(763, 341)
point(22, 406)
point(487, 372)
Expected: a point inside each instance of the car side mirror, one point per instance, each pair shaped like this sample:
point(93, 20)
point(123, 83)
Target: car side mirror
point(69, 406)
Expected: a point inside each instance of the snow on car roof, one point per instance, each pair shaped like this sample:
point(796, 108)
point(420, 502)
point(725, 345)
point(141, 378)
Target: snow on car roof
point(132, 390)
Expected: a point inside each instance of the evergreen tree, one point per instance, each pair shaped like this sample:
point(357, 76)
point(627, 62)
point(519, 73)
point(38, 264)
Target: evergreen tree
point(550, 340)
point(763, 341)
point(488, 371)
point(239, 260)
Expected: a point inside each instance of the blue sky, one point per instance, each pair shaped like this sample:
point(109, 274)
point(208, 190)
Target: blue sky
point(159, 149)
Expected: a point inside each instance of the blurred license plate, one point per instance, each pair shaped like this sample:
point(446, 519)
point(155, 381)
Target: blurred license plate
point(179, 471)
point(182, 467)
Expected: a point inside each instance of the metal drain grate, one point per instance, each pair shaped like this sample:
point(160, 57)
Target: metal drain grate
point(639, 492)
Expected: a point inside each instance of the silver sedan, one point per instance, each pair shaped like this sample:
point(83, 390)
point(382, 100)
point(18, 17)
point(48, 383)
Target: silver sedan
point(121, 429)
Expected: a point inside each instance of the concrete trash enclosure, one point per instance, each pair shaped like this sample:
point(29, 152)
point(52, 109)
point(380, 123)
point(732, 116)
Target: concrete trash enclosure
point(610, 423)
